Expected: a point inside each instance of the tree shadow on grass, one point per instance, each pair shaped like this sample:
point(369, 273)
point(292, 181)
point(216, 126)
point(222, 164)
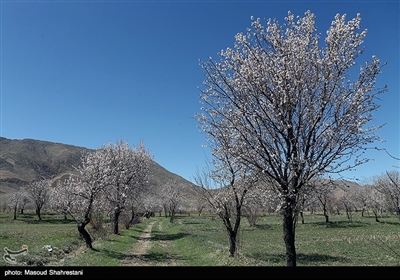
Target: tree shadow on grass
point(302, 259)
point(139, 230)
point(45, 220)
point(191, 223)
point(113, 254)
point(390, 223)
point(315, 258)
point(168, 237)
point(155, 257)
point(94, 250)
point(342, 224)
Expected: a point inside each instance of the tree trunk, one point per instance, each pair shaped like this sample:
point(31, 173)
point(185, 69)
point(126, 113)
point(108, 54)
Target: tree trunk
point(133, 216)
point(348, 213)
point(85, 234)
point(289, 234)
point(302, 217)
point(232, 243)
point(115, 221)
point(172, 217)
point(15, 212)
point(232, 231)
point(165, 211)
point(376, 216)
point(326, 215)
point(38, 214)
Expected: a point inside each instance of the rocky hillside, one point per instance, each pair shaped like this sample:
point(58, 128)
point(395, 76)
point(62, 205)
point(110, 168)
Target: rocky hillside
point(23, 161)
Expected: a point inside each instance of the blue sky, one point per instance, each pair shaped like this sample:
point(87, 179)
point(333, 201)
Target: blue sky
point(87, 73)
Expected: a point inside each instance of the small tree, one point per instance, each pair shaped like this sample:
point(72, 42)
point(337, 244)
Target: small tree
point(14, 202)
point(200, 205)
point(258, 199)
point(324, 193)
point(39, 193)
point(225, 188)
point(151, 204)
point(307, 199)
point(362, 198)
point(25, 199)
point(172, 198)
point(376, 202)
point(61, 198)
point(17, 201)
point(388, 184)
point(283, 104)
point(347, 197)
point(347, 202)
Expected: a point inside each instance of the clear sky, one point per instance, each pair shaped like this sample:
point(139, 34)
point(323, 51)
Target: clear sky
point(87, 73)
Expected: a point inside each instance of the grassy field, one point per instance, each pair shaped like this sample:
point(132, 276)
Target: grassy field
point(201, 241)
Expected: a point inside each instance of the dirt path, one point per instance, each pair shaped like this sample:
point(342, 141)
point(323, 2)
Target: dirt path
point(170, 261)
point(137, 256)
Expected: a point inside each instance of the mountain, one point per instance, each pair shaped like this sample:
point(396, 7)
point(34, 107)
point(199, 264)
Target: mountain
point(23, 161)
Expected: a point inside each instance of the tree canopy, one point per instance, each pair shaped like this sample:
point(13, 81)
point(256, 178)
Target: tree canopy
point(286, 104)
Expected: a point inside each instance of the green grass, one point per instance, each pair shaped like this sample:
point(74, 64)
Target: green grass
point(202, 241)
point(53, 230)
point(109, 251)
point(362, 242)
point(191, 241)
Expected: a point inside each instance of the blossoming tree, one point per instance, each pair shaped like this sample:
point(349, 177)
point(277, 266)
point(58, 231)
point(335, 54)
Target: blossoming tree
point(108, 179)
point(283, 102)
point(172, 198)
point(225, 187)
point(17, 201)
point(388, 184)
point(80, 194)
point(38, 191)
point(129, 171)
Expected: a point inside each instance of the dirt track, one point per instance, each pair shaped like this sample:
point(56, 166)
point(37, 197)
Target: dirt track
point(138, 256)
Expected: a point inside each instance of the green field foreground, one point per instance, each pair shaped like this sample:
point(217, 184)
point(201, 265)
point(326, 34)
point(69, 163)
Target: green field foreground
point(201, 241)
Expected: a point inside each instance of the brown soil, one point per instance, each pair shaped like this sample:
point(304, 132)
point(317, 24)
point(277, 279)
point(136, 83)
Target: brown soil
point(137, 255)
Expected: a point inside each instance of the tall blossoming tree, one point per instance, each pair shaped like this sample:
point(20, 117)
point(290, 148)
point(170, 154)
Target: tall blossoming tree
point(284, 103)
point(81, 194)
point(129, 171)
